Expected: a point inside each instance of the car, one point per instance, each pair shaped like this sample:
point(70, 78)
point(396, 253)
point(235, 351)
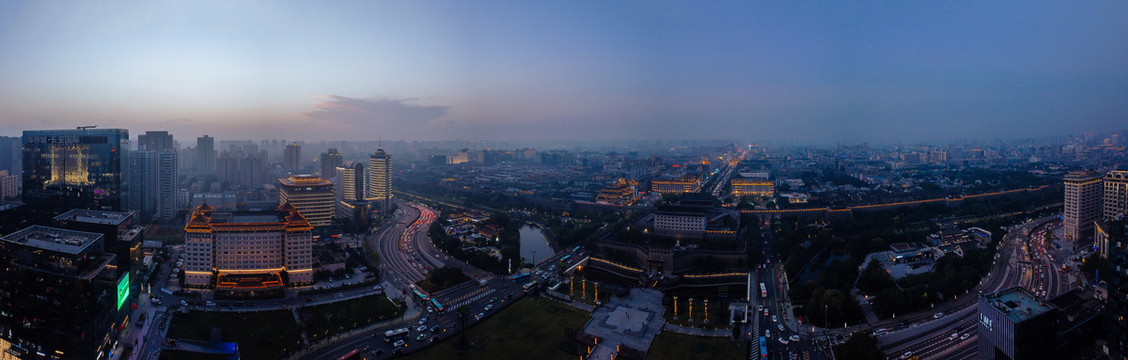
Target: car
point(879, 332)
point(433, 328)
point(421, 328)
point(794, 338)
point(493, 299)
point(399, 343)
point(954, 336)
point(422, 321)
point(479, 316)
point(782, 340)
point(779, 326)
point(209, 303)
point(938, 315)
point(768, 333)
point(155, 301)
point(489, 307)
point(183, 303)
point(759, 308)
point(965, 336)
point(775, 319)
point(421, 337)
point(765, 312)
point(907, 354)
point(430, 310)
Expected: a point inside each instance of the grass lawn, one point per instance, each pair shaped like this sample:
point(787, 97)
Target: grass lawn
point(671, 346)
point(531, 328)
point(260, 335)
point(324, 320)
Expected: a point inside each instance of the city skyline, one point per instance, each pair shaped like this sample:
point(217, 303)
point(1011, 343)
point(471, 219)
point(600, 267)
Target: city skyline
point(803, 73)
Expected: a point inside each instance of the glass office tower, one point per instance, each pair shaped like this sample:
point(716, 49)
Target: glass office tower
point(83, 168)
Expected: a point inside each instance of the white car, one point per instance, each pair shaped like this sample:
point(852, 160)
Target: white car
point(775, 319)
point(768, 333)
point(488, 307)
point(779, 326)
point(782, 341)
point(422, 321)
point(794, 338)
point(421, 328)
point(938, 315)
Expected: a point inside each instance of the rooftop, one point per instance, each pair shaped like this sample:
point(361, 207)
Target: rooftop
point(631, 322)
point(54, 239)
point(95, 216)
point(1018, 303)
point(303, 180)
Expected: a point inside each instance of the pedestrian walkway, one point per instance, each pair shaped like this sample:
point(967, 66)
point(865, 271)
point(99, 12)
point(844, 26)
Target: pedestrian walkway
point(471, 297)
point(697, 331)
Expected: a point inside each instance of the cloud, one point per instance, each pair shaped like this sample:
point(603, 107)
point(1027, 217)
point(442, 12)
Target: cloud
point(397, 118)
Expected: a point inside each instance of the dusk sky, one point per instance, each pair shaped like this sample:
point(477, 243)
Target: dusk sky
point(802, 71)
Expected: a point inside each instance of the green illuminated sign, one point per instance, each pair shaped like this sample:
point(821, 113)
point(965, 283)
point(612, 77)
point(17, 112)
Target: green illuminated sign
point(123, 290)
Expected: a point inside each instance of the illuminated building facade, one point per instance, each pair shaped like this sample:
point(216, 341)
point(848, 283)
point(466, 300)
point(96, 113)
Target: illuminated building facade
point(754, 187)
point(1083, 197)
point(682, 185)
point(9, 185)
point(313, 196)
point(64, 298)
point(1115, 194)
point(1112, 242)
point(380, 178)
point(83, 168)
point(621, 193)
point(248, 245)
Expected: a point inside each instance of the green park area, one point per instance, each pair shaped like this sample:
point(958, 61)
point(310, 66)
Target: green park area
point(328, 319)
point(531, 328)
point(260, 335)
point(671, 346)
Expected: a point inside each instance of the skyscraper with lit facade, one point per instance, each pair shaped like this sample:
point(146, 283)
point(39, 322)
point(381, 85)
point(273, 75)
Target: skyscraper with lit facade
point(1083, 198)
point(314, 197)
point(380, 178)
point(84, 168)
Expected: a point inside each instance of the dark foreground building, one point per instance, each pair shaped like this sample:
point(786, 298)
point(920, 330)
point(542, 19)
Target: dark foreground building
point(61, 295)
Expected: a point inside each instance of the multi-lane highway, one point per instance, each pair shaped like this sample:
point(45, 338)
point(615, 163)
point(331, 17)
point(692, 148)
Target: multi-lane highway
point(949, 332)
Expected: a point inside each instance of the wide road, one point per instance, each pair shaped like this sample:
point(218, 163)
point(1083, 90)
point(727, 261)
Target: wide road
point(948, 331)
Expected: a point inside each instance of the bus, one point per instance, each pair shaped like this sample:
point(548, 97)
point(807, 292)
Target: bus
point(350, 355)
point(763, 348)
point(420, 295)
point(576, 249)
point(438, 306)
point(393, 335)
point(521, 276)
point(763, 290)
point(565, 258)
point(530, 285)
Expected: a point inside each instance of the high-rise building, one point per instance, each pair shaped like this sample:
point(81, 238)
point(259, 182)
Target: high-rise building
point(143, 167)
point(9, 185)
point(350, 180)
point(380, 178)
point(64, 297)
point(329, 162)
point(11, 157)
point(1083, 195)
point(248, 250)
point(205, 155)
point(156, 182)
point(1115, 194)
point(84, 168)
point(1112, 243)
point(292, 157)
point(314, 197)
point(244, 171)
point(122, 235)
point(168, 185)
point(1015, 324)
point(155, 141)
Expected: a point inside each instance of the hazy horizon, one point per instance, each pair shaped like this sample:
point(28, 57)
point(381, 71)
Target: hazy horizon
point(802, 73)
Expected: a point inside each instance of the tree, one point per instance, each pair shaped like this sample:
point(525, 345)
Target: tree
point(874, 278)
